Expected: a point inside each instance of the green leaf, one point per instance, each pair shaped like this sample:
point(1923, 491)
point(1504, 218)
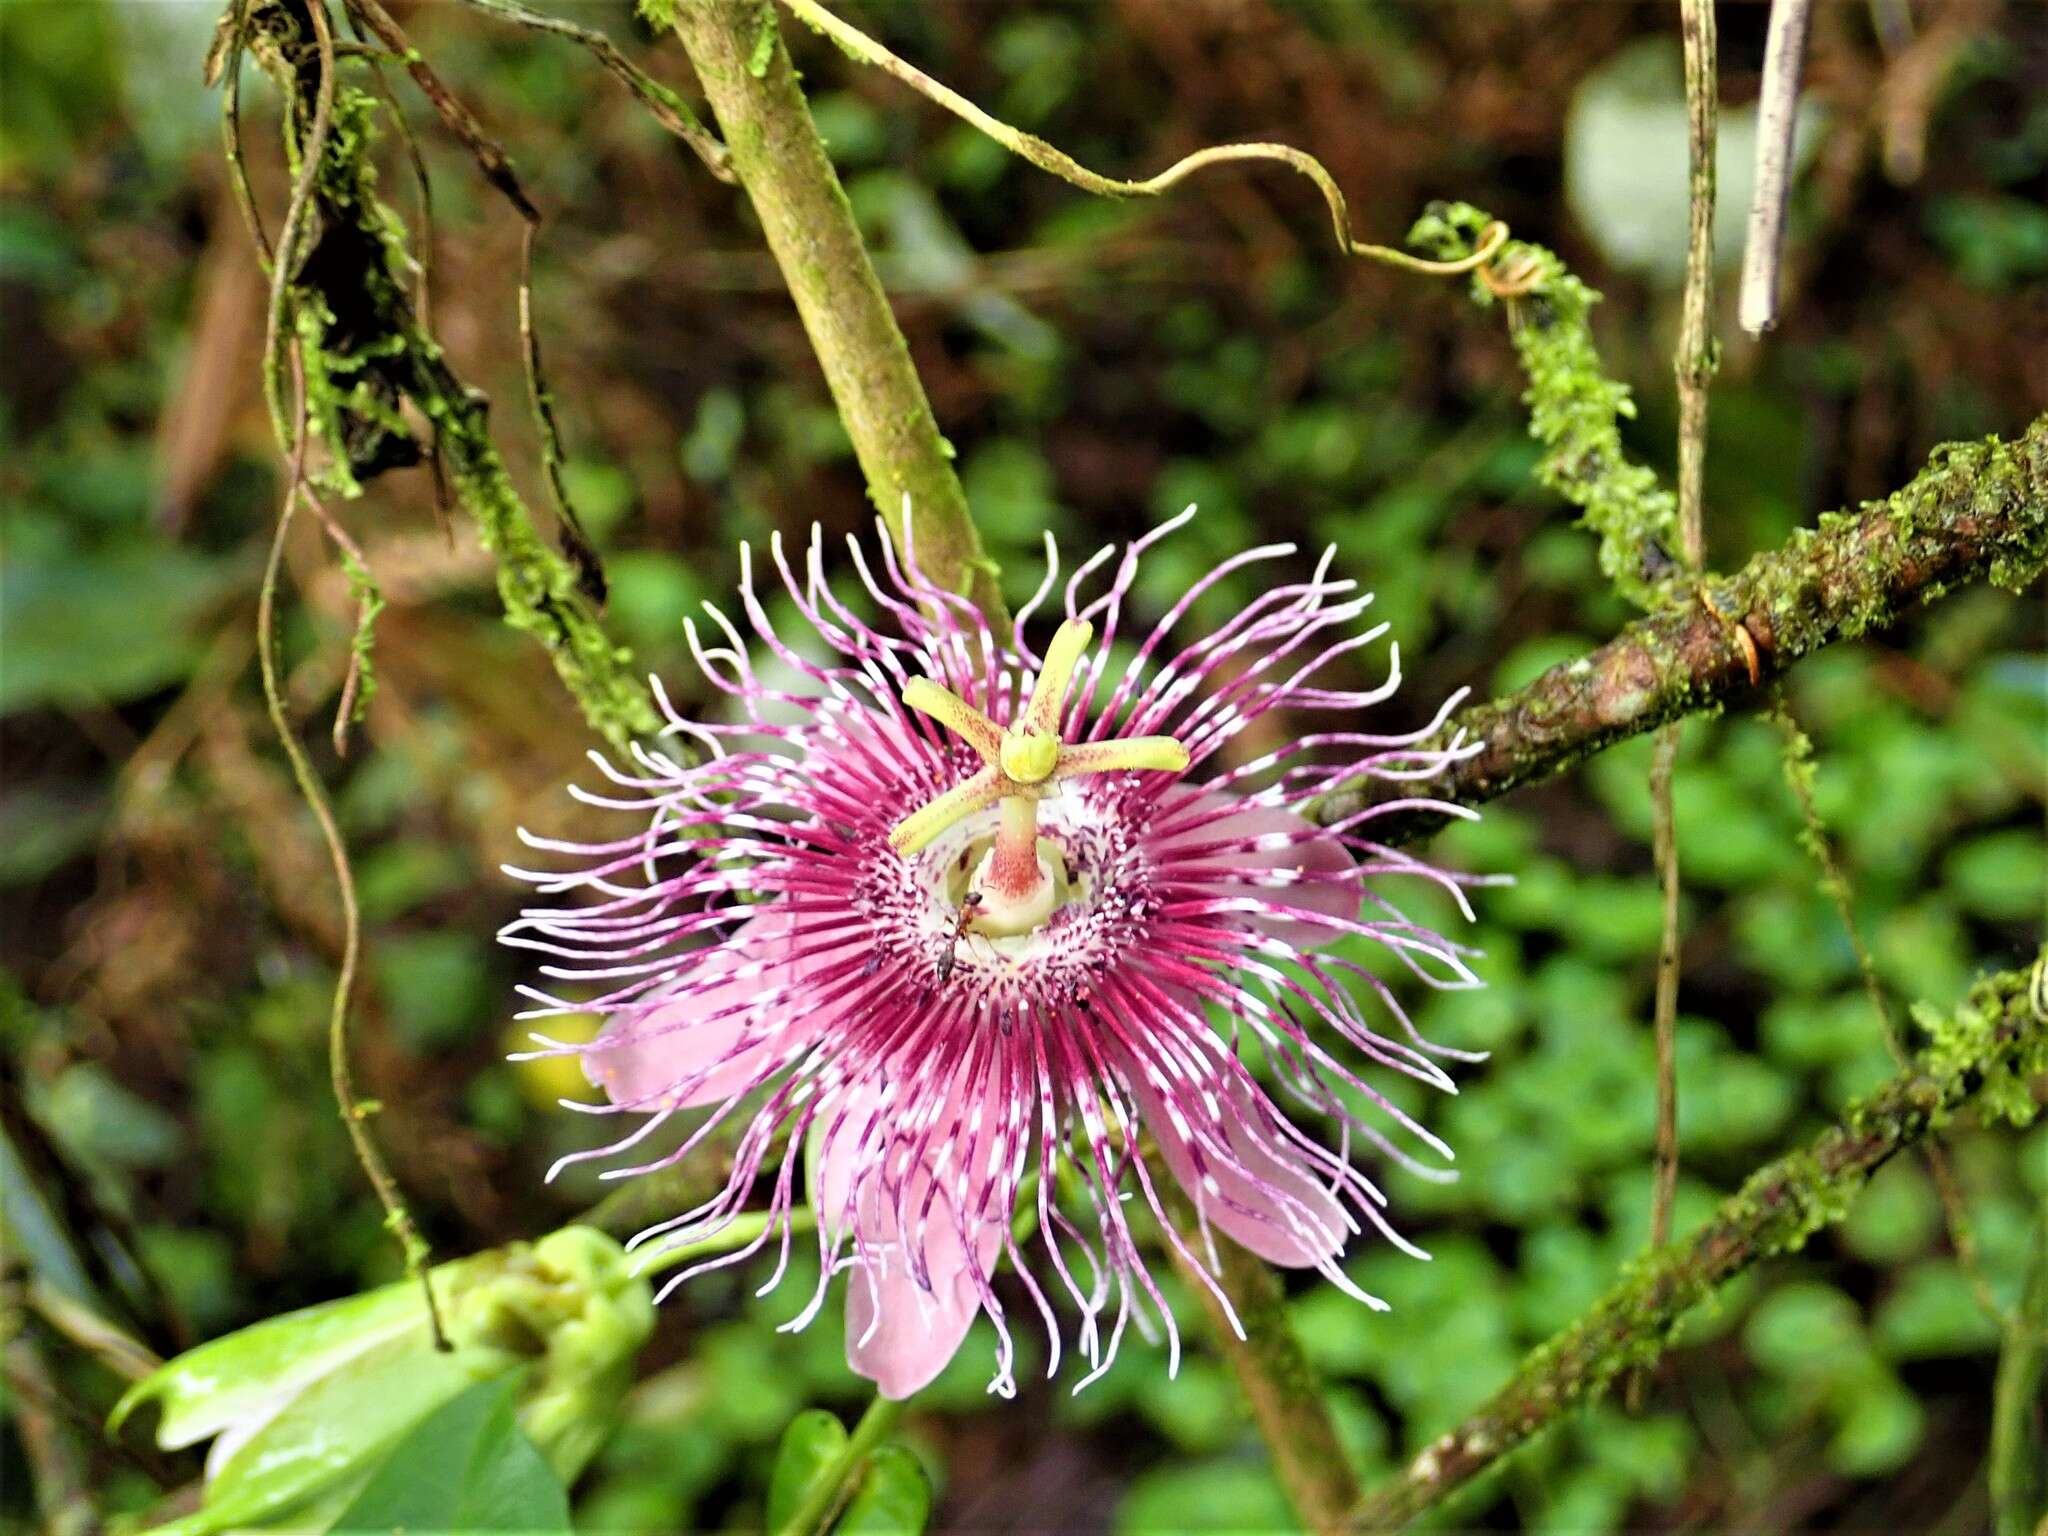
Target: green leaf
point(100, 630)
point(1933, 1312)
point(894, 1498)
point(206, 1389)
point(812, 1442)
point(466, 1468)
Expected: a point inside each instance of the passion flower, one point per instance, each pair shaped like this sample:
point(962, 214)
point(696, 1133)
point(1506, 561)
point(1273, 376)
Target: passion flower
point(979, 926)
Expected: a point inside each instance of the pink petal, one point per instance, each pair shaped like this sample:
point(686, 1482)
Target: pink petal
point(1315, 853)
point(1270, 1202)
point(915, 1332)
point(642, 1053)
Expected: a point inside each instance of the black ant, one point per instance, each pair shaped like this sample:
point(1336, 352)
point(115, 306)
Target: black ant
point(970, 908)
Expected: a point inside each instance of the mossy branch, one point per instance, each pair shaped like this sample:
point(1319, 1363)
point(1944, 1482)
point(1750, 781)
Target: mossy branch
point(1987, 1056)
point(367, 354)
point(1978, 510)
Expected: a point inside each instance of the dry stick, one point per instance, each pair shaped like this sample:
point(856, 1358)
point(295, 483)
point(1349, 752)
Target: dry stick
point(781, 163)
point(1048, 157)
point(1997, 1040)
point(353, 1113)
point(1777, 119)
point(1835, 882)
point(1694, 367)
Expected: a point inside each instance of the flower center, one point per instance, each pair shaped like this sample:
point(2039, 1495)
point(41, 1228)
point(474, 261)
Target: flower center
point(1020, 879)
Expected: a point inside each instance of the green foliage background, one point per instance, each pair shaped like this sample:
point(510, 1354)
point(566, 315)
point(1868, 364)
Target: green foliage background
point(169, 935)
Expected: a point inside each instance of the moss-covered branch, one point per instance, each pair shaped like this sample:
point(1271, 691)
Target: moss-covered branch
point(1988, 1056)
point(1978, 510)
point(366, 354)
point(736, 49)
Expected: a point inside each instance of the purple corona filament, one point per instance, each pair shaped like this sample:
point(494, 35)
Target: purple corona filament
point(978, 926)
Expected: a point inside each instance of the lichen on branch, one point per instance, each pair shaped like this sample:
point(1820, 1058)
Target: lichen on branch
point(1989, 1055)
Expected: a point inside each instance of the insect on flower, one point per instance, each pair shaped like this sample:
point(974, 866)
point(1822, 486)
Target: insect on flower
point(1143, 945)
point(970, 909)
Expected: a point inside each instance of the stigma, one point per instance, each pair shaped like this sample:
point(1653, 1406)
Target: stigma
point(1022, 877)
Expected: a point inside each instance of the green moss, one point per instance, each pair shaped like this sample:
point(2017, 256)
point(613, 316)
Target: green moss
point(1575, 410)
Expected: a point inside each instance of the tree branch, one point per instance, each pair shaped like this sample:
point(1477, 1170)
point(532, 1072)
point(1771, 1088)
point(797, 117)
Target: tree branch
point(1988, 1055)
point(1978, 510)
point(738, 54)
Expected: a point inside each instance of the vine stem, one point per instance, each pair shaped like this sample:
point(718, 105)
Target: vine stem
point(353, 1112)
point(1280, 1385)
point(837, 1482)
point(1834, 881)
point(1050, 158)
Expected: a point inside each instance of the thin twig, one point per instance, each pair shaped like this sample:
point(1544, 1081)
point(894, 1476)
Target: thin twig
point(489, 154)
point(1694, 367)
point(1048, 157)
point(227, 55)
point(1777, 120)
point(576, 545)
point(669, 109)
point(496, 167)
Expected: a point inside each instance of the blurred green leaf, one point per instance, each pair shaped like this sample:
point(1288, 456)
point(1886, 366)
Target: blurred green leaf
point(466, 1467)
point(1897, 1214)
point(1994, 242)
point(1223, 1495)
point(894, 1497)
point(1804, 1328)
point(80, 630)
point(1932, 1311)
point(2002, 875)
point(437, 986)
